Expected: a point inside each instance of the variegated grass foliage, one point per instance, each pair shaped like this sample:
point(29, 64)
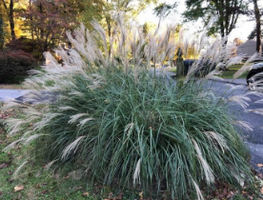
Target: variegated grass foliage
point(123, 125)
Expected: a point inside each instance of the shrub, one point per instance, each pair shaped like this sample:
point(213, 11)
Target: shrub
point(123, 125)
point(33, 47)
point(14, 66)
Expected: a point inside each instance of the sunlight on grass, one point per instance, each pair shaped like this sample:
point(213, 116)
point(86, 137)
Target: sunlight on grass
point(229, 73)
point(11, 86)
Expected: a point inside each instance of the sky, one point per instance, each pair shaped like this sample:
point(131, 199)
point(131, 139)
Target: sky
point(242, 30)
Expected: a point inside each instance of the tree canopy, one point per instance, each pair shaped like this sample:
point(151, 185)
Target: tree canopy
point(226, 11)
point(105, 11)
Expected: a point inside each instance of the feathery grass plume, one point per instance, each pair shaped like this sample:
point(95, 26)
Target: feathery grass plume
point(136, 175)
point(15, 125)
point(207, 169)
point(198, 191)
point(32, 138)
point(240, 100)
point(246, 66)
point(218, 138)
point(111, 117)
point(257, 83)
point(243, 124)
point(13, 144)
point(72, 146)
point(259, 101)
point(84, 121)
point(76, 117)
point(256, 111)
point(49, 165)
point(18, 170)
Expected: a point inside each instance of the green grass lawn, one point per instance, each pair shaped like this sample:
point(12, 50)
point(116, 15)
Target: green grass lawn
point(229, 73)
point(11, 86)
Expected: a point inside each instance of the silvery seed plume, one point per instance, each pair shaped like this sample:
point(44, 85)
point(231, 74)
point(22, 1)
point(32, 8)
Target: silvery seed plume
point(240, 100)
point(218, 138)
point(232, 87)
point(32, 138)
point(243, 124)
point(198, 191)
point(259, 101)
point(76, 117)
point(214, 75)
point(256, 111)
point(49, 165)
point(45, 120)
point(12, 145)
point(72, 146)
point(84, 121)
point(101, 33)
point(17, 171)
point(15, 125)
point(206, 168)
point(254, 93)
point(246, 66)
point(129, 128)
point(136, 174)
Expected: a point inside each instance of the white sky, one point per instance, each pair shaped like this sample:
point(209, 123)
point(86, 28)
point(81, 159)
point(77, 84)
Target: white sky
point(242, 30)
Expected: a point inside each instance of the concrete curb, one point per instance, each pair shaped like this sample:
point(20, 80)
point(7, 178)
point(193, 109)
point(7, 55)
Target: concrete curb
point(232, 81)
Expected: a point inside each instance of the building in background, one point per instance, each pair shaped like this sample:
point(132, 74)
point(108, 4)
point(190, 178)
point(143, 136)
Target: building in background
point(248, 48)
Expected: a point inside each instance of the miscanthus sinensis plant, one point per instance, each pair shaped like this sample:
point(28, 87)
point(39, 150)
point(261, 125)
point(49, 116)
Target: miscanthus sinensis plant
point(123, 124)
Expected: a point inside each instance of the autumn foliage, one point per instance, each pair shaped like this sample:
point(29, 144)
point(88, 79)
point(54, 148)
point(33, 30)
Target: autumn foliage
point(14, 66)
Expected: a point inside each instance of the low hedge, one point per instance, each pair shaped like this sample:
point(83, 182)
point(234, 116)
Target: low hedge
point(14, 66)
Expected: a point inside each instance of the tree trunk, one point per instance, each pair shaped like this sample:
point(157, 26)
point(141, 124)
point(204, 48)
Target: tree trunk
point(1, 33)
point(11, 20)
point(41, 21)
point(258, 28)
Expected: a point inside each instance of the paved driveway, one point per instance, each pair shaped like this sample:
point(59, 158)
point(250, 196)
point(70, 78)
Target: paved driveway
point(254, 139)
point(7, 94)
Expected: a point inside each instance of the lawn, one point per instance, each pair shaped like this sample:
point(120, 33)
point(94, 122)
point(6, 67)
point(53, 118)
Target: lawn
point(11, 86)
point(229, 73)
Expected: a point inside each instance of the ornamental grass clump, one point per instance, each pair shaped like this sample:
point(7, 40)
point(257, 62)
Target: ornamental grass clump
point(124, 125)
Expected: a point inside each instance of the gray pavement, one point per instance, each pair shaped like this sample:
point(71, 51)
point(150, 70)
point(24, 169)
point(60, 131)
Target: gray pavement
point(253, 139)
point(11, 94)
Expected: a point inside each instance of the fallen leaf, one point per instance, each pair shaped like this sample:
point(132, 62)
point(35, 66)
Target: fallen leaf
point(141, 195)
point(1, 193)
point(260, 165)
point(260, 175)
point(4, 165)
point(67, 177)
point(18, 188)
point(119, 197)
point(85, 194)
point(38, 174)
